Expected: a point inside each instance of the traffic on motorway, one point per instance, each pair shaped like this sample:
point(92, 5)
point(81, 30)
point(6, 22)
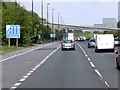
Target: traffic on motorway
point(68, 63)
point(59, 45)
point(101, 42)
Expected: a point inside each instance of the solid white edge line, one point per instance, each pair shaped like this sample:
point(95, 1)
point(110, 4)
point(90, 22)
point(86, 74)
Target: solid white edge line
point(24, 78)
point(23, 53)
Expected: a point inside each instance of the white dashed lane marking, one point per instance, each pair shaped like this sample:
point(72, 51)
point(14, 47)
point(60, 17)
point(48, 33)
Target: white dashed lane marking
point(86, 55)
point(12, 88)
point(25, 77)
point(93, 66)
point(28, 74)
point(31, 71)
point(107, 84)
point(88, 59)
point(21, 80)
point(98, 73)
point(17, 84)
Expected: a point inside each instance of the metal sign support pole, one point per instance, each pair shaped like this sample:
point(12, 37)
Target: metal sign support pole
point(9, 42)
point(16, 42)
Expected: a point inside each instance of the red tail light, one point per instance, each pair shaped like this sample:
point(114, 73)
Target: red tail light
point(63, 43)
point(73, 43)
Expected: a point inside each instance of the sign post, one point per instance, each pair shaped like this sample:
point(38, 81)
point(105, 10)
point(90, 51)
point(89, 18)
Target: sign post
point(13, 31)
point(9, 42)
point(16, 42)
point(52, 36)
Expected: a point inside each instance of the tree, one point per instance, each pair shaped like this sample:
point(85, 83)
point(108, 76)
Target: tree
point(23, 18)
point(118, 24)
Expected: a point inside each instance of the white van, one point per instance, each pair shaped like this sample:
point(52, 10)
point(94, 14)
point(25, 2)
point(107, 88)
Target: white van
point(104, 41)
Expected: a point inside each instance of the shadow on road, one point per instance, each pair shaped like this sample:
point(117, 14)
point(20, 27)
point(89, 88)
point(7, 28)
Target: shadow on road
point(45, 49)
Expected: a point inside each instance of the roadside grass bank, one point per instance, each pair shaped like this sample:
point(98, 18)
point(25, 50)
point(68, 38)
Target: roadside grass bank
point(5, 49)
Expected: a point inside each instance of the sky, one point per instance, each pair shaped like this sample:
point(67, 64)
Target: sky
point(75, 12)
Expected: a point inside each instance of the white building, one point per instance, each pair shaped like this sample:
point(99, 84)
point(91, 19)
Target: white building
point(119, 11)
point(110, 22)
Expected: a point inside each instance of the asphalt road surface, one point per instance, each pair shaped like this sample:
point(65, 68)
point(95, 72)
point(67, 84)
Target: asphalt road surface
point(49, 67)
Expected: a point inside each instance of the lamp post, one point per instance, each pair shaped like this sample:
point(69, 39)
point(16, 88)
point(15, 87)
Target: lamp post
point(53, 21)
point(52, 18)
point(47, 18)
point(16, 20)
point(32, 24)
point(16, 11)
point(42, 12)
point(58, 20)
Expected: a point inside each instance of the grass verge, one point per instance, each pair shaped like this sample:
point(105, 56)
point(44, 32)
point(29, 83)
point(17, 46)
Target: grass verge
point(6, 49)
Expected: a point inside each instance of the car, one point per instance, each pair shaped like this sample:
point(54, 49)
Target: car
point(118, 60)
point(81, 38)
point(67, 44)
point(84, 38)
point(91, 43)
point(117, 41)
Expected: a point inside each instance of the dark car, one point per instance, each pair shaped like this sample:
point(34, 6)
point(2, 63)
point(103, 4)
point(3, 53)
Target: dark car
point(117, 41)
point(68, 44)
point(118, 60)
point(91, 43)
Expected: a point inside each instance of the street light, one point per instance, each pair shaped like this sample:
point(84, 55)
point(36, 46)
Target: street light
point(32, 24)
point(58, 20)
point(16, 20)
point(47, 18)
point(52, 18)
point(42, 12)
point(61, 20)
point(53, 21)
point(16, 11)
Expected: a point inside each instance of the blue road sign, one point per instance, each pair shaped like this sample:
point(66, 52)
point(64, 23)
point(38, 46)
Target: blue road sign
point(52, 35)
point(12, 31)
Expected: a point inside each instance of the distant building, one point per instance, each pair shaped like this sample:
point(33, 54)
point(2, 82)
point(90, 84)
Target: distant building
point(98, 26)
point(110, 22)
point(119, 11)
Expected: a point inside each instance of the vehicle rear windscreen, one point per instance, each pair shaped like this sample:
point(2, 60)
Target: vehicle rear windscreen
point(92, 40)
point(68, 41)
point(117, 39)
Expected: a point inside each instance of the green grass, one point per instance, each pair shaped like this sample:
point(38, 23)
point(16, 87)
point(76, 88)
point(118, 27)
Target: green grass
point(6, 49)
